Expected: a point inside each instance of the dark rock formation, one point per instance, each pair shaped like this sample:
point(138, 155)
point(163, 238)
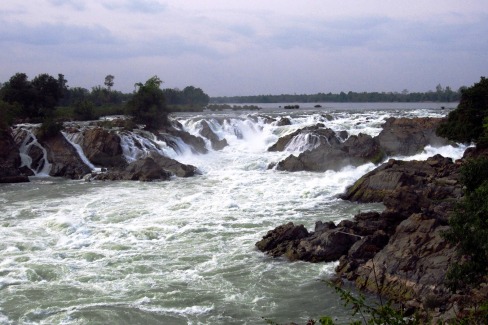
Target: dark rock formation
point(399, 253)
point(197, 144)
point(319, 135)
point(206, 132)
point(102, 148)
point(10, 160)
point(64, 159)
point(400, 136)
point(406, 137)
point(152, 168)
point(140, 170)
point(355, 151)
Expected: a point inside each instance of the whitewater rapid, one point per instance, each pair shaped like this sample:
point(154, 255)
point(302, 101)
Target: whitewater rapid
point(182, 251)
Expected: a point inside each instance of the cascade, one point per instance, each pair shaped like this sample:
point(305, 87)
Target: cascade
point(75, 139)
point(29, 143)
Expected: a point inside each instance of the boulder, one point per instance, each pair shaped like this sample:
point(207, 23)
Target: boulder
point(173, 166)
point(355, 151)
point(145, 169)
point(316, 133)
point(197, 144)
point(102, 148)
point(216, 142)
point(10, 159)
point(437, 176)
point(274, 243)
point(406, 137)
point(64, 159)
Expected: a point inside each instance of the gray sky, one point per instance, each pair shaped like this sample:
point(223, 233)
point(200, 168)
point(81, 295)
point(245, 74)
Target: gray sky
point(249, 47)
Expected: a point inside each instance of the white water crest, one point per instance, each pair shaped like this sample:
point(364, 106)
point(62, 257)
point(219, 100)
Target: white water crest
point(75, 139)
point(182, 251)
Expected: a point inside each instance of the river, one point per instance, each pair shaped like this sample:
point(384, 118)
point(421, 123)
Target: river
point(182, 251)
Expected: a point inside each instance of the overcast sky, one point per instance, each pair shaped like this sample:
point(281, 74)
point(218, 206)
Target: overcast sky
point(249, 47)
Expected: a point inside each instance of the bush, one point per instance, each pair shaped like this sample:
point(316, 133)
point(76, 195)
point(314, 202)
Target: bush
point(49, 128)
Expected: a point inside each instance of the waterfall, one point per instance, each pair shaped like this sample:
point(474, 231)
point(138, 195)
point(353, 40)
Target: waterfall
point(30, 141)
point(75, 139)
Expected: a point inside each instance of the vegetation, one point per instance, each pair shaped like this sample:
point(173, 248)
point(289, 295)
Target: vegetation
point(49, 98)
point(469, 228)
point(148, 105)
point(469, 122)
point(439, 95)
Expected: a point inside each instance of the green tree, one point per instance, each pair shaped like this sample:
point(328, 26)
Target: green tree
point(19, 90)
point(47, 94)
point(148, 105)
point(465, 123)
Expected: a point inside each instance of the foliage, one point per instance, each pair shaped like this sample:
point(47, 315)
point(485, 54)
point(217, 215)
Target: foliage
point(109, 82)
point(84, 111)
point(469, 228)
point(148, 105)
point(36, 98)
point(189, 96)
point(465, 124)
point(8, 112)
point(49, 128)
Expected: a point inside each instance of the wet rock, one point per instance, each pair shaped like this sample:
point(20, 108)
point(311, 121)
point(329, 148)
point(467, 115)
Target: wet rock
point(197, 144)
point(140, 170)
point(64, 159)
point(274, 243)
point(283, 121)
point(10, 159)
point(206, 132)
point(174, 167)
point(316, 133)
point(102, 148)
point(355, 151)
point(406, 137)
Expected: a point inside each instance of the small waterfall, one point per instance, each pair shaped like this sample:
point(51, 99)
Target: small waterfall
point(30, 143)
point(75, 139)
point(136, 146)
point(303, 142)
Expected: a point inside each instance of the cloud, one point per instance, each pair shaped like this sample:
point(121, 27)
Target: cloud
point(75, 4)
point(141, 6)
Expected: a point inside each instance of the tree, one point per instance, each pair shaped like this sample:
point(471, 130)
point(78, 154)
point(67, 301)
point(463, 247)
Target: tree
point(19, 90)
point(47, 94)
point(465, 123)
point(109, 82)
point(148, 105)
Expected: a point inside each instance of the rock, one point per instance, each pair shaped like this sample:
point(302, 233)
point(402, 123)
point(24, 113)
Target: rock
point(140, 170)
point(206, 132)
point(197, 144)
point(283, 121)
point(355, 151)
point(316, 133)
point(102, 148)
point(406, 137)
point(437, 176)
point(64, 159)
point(174, 167)
point(10, 159)
point(412, 265)
point(275, 241)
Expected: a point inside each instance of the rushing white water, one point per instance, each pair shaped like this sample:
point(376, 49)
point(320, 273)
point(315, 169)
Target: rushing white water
point(180, 252)
point(43, 167)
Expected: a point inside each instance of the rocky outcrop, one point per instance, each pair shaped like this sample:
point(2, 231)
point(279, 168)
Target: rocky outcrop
point(10, 159)
point(197, 144)
point(216, 142)
point(355, 151)
point(151, 168)
point(64, 159)
point(316, 133)
point(140, 170)
point(399, 137)
point(102, 148)
point(406, 137)
point(399, 253)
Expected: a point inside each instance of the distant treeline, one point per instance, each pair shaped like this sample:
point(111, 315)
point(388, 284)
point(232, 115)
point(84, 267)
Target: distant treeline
point(439, 95)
